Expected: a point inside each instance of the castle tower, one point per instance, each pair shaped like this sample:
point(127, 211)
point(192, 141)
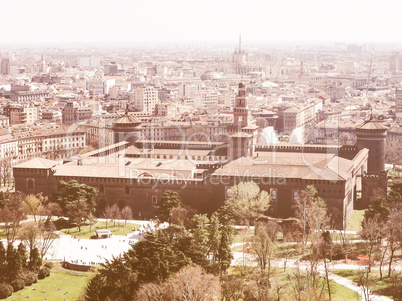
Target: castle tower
point(240, 111)
point(126, 128)
point(244, 133)
point(371, 135)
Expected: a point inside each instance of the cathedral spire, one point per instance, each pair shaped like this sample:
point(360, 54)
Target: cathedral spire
point(240, 43)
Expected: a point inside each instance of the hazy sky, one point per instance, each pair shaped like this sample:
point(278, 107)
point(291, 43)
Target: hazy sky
point(195, 20)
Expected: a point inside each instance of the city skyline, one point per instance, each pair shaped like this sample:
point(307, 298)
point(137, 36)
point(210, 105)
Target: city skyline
point(191, 21)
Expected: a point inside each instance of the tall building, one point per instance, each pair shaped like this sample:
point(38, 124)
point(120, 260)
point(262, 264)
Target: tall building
point(398, 100)
point(5, 66)
point(395, 62)
point(43, 64)
point(145, 99)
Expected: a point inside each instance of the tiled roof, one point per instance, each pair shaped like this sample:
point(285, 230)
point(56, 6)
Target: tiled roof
point(372, 125)
point(38, 163)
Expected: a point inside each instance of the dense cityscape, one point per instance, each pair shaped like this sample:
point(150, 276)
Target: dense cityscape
point(229, 169)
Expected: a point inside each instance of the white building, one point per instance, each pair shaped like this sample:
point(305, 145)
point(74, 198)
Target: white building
point(145, 99)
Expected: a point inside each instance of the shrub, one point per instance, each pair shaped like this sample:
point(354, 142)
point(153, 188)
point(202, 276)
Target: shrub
point(6, 290)
point(43, 273)
point(29, 278)
point(10, 290)
point(3, 291)
point(18, 284)
point(49, 264)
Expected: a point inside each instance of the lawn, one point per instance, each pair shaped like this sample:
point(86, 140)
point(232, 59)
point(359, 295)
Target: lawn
point(279, 278)
point(382, 287)
point(70, 283)
point(88, 231)
point(355, 220)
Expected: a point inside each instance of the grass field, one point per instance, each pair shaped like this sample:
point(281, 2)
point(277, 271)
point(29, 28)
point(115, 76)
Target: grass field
point(382, 287)
point(70, 283)
point(87, 231)
point(355, 220)
point(280, 278)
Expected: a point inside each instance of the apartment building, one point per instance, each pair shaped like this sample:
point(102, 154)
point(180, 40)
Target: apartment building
point(145, 99)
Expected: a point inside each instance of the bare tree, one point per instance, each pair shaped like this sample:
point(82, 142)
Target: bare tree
point(5, 170)
point(126, 213)
point(264, 244)
point(393, 230)
point(393, 153)
point(372, 234)
point(192, 283)
point(47, 237)
point(115, 213)
point(311, 213)
point(29, 233)
point(107, 214)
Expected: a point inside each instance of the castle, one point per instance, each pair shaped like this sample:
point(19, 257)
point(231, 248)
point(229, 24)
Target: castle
point(136, 172)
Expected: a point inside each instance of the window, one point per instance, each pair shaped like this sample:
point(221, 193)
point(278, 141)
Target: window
point(154, 199)
point(127, 189)
point(30, 184)
point(273, 192)
point(295, 195)
point(101, 189)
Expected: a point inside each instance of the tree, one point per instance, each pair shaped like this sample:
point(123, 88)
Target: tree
point(158, 255)
point(14, 264)
point(33, 204)
point(311, 213)
point(12, 214)
point(170, 199)
point(393, 231)
point(5, 170)
point(126, 213)
point(394, 198)
point(76, 200)
point(115, 213)
point(190, 283)
point(264, 244)
point(22, 252)
point(248, 202)
point(214, 237)
point(325, 250)
point(35, 260)
point(372, 234)
point(3, 262)
point(379, 209)
point(78, 212)
point(47, 237)
point(393, 152)
point(48, 210)
point(107, 214)
point(182, 216)
point(29, 233)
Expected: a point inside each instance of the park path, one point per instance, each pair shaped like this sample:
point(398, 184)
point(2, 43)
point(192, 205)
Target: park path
point(249, 260)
